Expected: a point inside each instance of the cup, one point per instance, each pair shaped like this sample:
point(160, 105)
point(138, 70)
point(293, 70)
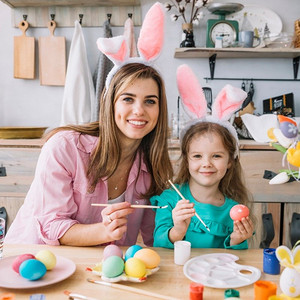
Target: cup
point(2, 233)
point(247, 38)
point(264, 289)
point(271, 264)
point(182, 252)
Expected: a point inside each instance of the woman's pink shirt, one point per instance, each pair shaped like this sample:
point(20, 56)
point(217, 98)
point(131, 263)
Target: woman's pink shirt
point(58, 197)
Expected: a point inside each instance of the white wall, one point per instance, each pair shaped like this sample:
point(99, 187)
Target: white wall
point(26, 103)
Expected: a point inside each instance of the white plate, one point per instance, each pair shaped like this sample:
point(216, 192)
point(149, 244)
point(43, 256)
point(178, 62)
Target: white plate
point(10, 279)
point(258, 17)
point(219, 270)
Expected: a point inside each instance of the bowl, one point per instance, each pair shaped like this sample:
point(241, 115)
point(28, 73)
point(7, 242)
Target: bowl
point(22, 132)
point(281, 40)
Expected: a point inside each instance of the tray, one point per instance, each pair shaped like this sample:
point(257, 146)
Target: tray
point(22, 132)
point(219, 270)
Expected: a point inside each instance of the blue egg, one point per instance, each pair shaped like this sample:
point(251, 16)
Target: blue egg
point(131, 251)
point(32, 269)
point(288, 129)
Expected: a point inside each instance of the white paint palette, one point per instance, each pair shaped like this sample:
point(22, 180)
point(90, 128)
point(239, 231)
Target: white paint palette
point(219, 270)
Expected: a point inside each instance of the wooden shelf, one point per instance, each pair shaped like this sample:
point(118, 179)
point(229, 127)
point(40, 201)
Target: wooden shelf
point(237, 53)
point(67, 11)
point(47, 3)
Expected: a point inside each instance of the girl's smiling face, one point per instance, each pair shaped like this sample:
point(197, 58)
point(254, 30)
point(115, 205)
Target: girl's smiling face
point(137, 109)
point(208, 160)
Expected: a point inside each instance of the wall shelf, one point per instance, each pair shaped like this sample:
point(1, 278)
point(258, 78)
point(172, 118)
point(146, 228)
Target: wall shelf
point(41, 3)
point(213, 53)
point(67, 11)
point(236, 53)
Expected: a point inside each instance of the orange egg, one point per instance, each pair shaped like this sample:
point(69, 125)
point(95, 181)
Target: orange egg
point(238, 212)
point(149, 257)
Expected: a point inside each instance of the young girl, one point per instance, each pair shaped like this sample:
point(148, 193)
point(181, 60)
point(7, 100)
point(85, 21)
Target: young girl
point(209, 176)
point(118, 161)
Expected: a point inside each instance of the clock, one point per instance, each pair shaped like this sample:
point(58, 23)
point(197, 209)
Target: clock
point(227, 30)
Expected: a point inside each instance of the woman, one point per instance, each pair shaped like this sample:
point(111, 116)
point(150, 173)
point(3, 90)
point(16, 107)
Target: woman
point(121, 160)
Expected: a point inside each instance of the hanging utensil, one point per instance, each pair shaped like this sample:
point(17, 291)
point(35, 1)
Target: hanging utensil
point(208, 96)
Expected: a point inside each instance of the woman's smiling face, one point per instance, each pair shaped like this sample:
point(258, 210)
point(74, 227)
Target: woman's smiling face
point(137, 109)
point(208, 160)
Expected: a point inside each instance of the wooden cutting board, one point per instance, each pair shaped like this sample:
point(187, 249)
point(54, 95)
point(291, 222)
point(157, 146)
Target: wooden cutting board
point(52, 58)
point(24, 65)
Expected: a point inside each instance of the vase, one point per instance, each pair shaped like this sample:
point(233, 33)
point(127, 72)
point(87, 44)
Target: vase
point(188, 35)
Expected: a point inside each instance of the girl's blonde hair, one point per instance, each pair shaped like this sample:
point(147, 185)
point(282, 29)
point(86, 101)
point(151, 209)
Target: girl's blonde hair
point(154, 146)
point(232, 184)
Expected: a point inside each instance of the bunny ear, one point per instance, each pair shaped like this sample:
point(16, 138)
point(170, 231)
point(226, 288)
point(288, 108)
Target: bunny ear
point(191, 93)
point(284, 255)
point(151, 37)
point(227, 102)
point(296, 255)
point(115, 48)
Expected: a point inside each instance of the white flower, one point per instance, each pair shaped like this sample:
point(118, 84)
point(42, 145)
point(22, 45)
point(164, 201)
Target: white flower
point(196, 22)
point(200, 15)
point(174, 17)
point(199, 3)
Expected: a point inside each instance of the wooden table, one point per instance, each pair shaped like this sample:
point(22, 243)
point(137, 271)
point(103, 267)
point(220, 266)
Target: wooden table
point(168, 281)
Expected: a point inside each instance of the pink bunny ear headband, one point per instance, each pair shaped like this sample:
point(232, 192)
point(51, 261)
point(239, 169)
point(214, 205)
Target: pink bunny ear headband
point(149, 44)
point(194, 103)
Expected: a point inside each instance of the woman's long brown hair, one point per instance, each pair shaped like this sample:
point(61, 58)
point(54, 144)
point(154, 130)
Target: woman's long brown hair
point(154, 146)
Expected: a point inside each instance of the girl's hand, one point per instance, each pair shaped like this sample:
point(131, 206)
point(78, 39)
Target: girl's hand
point(181, 215)
point(114, 219)
point(242, 230)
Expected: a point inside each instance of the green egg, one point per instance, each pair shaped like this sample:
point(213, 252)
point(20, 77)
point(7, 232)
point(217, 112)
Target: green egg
point(113, 266)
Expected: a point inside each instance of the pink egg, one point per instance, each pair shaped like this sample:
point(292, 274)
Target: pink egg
point(238, 212)
point(112, 250)
point(19, 259)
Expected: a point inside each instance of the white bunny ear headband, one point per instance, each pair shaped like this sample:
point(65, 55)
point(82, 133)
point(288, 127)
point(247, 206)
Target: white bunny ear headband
point(149, 44)
point(193, 100)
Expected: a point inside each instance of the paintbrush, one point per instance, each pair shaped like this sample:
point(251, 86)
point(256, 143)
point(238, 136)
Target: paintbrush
point(77, 296)
point(133, 206)
point(131, 289)
point(178, 192)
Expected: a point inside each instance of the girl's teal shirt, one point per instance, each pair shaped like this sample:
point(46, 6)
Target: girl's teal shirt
point(215, 217)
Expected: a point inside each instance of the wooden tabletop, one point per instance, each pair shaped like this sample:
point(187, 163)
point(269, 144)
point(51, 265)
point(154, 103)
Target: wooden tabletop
point(168, 281)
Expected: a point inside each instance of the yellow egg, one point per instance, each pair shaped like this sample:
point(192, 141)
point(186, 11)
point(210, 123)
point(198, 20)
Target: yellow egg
point(149, 257)
point(134, 267)
point(47, 258)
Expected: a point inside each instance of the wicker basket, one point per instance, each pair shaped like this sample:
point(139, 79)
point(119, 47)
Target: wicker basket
point(297, 34)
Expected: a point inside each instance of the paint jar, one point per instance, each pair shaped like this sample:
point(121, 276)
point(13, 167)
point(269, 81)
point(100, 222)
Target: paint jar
point(263, 289)
point(2, 234)
point(231, 294)
point(196, 291)
point(182, 252)
point(271, 264)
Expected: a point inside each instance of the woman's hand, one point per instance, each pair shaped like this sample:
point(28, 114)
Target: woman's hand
point(114, 219)
point(181, 215)
point(242, 230)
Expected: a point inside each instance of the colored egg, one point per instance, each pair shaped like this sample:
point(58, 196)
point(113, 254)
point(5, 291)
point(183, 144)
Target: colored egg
point(19, 259)
point(32, 269)
point(47, 258)
point(112, 250)
point(134, 267)
point(288, 129)
point(149, 257)
point(113, 266)
point(131, 251)
point(238, 212)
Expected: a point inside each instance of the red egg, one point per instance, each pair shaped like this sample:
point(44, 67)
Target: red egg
point(238, 212)
point(19, 259)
